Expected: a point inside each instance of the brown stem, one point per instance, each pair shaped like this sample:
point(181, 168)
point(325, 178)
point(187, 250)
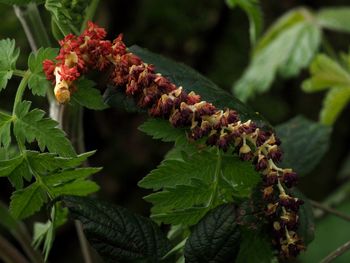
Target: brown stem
point(336, 253)
point(9, 253)
point(330, 210)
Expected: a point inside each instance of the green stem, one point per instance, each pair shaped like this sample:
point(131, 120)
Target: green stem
point(19, 73)
point(328, 48)
point(216, 179)
point(21, 88)
point(90, 12)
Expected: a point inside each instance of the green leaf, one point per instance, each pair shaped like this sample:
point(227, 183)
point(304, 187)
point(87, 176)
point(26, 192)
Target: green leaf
point(117, 234)
point(286, 48)
point(335, 18)
point(72, 182)
point(5, 129)
point(254, 12)
point(6, 219)
point(20, 2)
point(335, 101)
point(31, 125)
point(7, 166)
point(208, 178)
point(191, 80)
point(216, 238)
point(326, 73)
point(27, 201)
point(37, 81)
point(304, 143)
point(162, 129)
point(8, 57)
point(330, 233)
point(254, 248)
point(88, 96)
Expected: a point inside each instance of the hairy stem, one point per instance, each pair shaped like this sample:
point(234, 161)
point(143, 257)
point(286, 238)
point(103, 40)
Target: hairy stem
point(336, 253)
point(9, 254)
point(330, 210)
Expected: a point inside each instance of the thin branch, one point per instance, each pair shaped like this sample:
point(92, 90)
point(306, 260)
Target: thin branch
point(336, 253)
point(330, 210)
point(9, 254)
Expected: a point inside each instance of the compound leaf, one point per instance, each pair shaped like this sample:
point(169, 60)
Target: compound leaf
point(88, 96)
point(8, 57)
point(117, 234)
point(37, 81)
point(27, 201)
point(31, 125)
point(216, 238)
point(21, 2)
point(286, 48)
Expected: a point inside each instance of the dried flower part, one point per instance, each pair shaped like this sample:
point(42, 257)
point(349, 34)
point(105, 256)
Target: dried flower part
point(223, 128)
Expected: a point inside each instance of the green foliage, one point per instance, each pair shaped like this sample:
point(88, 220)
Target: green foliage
point(304, 143)
point(191, 80)
point(117, 234)
point(208, 178)
point(254, 12)
point(31, 125)
point(216, 238)
point(8, 57)
point(254, 248)
point(37, 81)
point(5, 129)
point(27, 201)
point(162, 129)
point(286, 48)
point(88, 96)
point(328, 74)
point(67, 15)
point(335, 18)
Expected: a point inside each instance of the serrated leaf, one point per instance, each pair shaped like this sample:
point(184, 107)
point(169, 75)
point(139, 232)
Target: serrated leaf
point(162, 129)
point(8, 57)
point(76, 187)
point(286, 48)
point(216, 238)
point(254, 248)
point(254, 12)
point(5, 129)
point(27, 201)
point(7, 166)
point(335, 18)
point(203, 177)
point(191, 80)
point(21, 2)
point(88, 96)
point(31, 125)
point(61, 178)
point(304, 143)
point(333, 104)
point(117, 234)
point(37, 81)
point(326, 73)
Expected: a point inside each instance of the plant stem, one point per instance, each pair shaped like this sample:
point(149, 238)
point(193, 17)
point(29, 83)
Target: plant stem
point(19, 94)
point(9, 253)
point(330, 210)
point(30, 19)
point(336, 253)
point(90, 12)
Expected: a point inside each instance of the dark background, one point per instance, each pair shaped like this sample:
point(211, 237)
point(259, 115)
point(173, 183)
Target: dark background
point(214, 40)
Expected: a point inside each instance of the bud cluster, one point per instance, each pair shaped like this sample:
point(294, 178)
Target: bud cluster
point(221, 128)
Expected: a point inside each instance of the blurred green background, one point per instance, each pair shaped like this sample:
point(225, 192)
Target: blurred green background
point(214, 40)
